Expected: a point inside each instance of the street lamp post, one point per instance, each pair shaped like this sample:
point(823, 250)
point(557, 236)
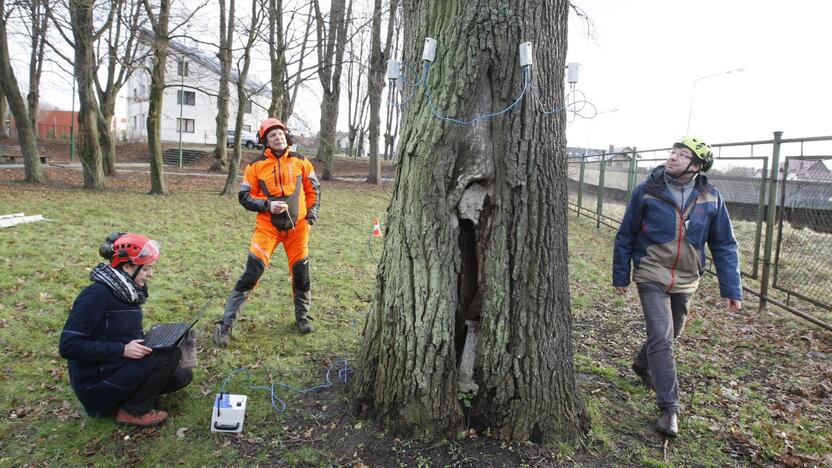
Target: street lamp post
point(693, 91)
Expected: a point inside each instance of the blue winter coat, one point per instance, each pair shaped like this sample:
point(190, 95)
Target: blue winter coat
point(666, 244)
point(93, 339)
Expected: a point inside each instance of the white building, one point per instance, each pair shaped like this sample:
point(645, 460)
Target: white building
point(190, 99)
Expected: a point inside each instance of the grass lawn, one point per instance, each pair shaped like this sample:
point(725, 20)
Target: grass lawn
point(756, 387)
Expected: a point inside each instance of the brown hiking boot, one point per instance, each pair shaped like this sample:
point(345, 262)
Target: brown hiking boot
point(222, 335)
point(644, 374)
point(151, 418)
point(668, 423)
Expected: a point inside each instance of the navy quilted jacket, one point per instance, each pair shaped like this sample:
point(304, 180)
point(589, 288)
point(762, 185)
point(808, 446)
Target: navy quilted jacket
point(92, 341)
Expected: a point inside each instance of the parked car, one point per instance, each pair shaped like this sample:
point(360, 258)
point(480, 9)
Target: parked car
point(249, 140)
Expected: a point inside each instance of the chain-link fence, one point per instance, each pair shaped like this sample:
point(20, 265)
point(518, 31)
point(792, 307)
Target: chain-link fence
point(786, 248)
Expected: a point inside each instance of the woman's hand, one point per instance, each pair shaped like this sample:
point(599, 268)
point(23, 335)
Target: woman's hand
point(136, 350)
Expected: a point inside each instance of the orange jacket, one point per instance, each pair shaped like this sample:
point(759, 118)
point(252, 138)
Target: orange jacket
point(289, 178)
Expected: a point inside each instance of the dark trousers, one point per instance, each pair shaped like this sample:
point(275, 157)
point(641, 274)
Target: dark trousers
point(163, 377)
point(664, 317)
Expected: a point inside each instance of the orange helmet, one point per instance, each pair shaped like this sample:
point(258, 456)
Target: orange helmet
point(270, 124)
point(135, 249)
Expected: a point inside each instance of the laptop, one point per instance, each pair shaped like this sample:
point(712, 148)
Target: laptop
point(166, 336)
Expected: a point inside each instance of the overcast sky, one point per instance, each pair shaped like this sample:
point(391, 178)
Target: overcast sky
point(645, 56)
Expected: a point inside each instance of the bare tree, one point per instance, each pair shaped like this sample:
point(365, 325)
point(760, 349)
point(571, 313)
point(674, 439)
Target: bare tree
point(23, 120)
point(375, 82)
point(159, 18)
point(277, 58)
point(332, 43)
point(39, 25)
point(471, 322)
point(294, 82)
point(220, 163)
point(120, 52)
point(356, 93)
point(243, 95)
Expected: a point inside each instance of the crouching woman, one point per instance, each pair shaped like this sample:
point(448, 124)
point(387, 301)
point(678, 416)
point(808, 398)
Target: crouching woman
point(111, 371)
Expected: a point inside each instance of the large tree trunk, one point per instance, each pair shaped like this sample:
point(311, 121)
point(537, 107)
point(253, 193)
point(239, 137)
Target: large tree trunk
point(160, 22)
point(89, 151)
point(476, 231)
point(220, 163)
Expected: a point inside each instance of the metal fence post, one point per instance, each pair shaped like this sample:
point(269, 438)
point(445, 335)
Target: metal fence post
point(771, 217)
point(600, 205)
point(631, 175)
point(758, 225)
point(581, 185)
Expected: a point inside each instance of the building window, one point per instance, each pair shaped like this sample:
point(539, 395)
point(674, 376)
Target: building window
point(248, 107)
point(182, 68)
point(190, 98)
point(133, 122)
point(188, 126)
point(246, 128)
point(143, 90)
point(135, 93)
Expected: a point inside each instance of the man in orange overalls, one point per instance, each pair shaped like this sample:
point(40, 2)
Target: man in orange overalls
point(281, 187)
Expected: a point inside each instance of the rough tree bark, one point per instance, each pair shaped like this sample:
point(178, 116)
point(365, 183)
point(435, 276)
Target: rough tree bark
point(33, 172)
point(331, 46)
point(160, 21)
point(476, 231)
point(220, 163)
point(375, 82)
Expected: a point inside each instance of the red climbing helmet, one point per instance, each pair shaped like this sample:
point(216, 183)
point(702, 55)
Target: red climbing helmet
point(134, 249)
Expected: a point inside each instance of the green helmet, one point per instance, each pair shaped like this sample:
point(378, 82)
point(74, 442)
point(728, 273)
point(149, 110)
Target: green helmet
point(702, 153)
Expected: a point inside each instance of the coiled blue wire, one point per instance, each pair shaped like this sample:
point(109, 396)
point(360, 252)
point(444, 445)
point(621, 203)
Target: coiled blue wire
point(343, 374)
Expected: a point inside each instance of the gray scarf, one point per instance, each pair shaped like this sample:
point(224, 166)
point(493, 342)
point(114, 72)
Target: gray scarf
point(119, 283)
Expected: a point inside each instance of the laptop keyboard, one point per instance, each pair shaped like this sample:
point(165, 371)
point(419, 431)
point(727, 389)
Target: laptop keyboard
point(165, 335)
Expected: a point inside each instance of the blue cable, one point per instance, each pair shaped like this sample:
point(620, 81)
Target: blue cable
point(526, 81)
point(343, 373)
point(414, 85)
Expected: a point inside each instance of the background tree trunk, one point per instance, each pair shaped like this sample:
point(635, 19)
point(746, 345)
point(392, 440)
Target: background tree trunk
point(25, 132)
point(243, 95)
point(375, 83)
point(277, 59)
point(39, 22)
point(220, 163)
point(476, 230)
point(89, 151)
point(160, 22)
point(3, 131)
point(330, 64)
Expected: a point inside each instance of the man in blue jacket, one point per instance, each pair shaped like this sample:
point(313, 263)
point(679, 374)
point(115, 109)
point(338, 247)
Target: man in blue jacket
point(669, 219)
